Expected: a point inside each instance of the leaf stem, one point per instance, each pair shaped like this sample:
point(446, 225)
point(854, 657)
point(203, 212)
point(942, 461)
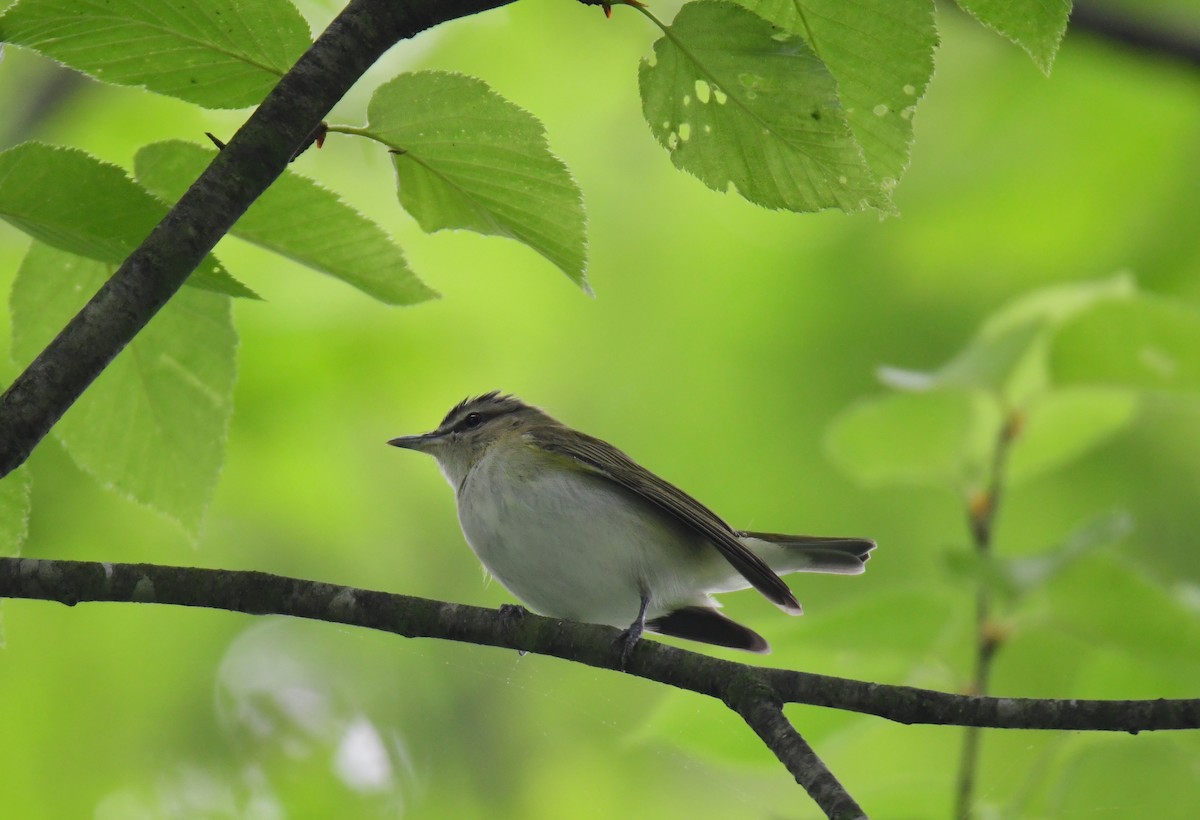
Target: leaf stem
point(350, 129)
point(646, 11)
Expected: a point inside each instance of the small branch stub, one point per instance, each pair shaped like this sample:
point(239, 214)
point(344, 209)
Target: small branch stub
point(608, 4)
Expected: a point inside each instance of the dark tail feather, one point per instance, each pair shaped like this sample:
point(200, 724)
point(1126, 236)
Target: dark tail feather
point(698, 623)
point(844, 556)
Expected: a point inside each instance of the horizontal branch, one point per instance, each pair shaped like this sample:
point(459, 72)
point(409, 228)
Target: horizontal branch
point(259, 593)
point(910, 705)
point(1143, 33)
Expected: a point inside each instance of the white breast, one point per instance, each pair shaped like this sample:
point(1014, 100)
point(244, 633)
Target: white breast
point(571, 544)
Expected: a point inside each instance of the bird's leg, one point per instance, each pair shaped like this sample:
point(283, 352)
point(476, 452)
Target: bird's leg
point(628, 638)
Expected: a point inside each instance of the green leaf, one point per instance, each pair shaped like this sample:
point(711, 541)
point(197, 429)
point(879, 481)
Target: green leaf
point(942, 437)
point(1054, 355)
point(1141, 342)
point(1031, 572)
point(1066, 424)
point(1150, 623)
point(153, 425)
point(1007, 356)
point(73, 201)
point(1095, 772)
point(218, 53)
point(880, 52)
point(1015, 577)
point(1056, 304)
point(928, 607)
point(299, 219)
point(1035, 25)
point(987, 362)
point(14, 511)
point(717, 739)
point(466, 157)
point(742, 103)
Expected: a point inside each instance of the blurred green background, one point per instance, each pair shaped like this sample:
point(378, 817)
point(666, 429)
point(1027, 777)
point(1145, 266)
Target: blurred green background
point(721, 343)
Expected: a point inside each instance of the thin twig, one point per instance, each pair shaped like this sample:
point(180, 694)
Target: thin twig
point(982, 512)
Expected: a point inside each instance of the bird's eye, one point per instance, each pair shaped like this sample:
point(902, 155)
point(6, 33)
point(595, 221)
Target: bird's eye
point(471, 421)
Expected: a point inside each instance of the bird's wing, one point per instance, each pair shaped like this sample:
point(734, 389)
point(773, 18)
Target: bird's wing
point(605, 460)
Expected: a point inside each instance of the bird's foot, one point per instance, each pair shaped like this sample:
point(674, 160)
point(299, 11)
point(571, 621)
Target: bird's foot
point(628, 638)
point(512, 614)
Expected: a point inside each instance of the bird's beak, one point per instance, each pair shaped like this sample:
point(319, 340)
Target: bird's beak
point(421, 443)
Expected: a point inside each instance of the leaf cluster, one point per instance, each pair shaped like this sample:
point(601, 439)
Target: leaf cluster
point(795, 106)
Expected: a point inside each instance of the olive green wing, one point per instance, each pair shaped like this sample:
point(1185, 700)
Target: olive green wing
point(603, 459)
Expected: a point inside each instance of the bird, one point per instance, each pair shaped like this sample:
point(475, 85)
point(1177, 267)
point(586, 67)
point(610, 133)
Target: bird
point(577, 530)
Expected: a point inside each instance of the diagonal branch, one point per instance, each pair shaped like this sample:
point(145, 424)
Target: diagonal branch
point(765, 716)
point(251, 161)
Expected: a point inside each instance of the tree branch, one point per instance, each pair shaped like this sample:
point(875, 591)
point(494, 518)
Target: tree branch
point(256, 155)
point(737, 684)
point(765, 716)
point(260, 593)
point(1140, 34)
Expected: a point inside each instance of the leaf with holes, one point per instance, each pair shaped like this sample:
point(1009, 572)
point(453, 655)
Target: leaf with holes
point(74, 202)
point(880, 52)
point(744, 104)
point(299, 219)
point(219, 53)
point(153, 425)
point(466, 157)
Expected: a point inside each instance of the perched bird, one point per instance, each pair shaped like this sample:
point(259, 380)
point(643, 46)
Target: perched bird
point(578, 530)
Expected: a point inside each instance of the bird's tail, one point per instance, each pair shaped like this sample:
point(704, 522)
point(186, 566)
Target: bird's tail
point(809, 553)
